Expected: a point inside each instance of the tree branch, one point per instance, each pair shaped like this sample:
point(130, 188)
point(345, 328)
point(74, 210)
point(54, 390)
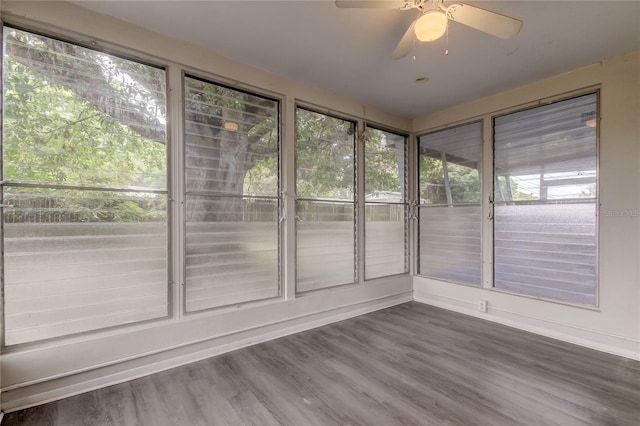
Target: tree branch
point(52, 132)
point(74, 67)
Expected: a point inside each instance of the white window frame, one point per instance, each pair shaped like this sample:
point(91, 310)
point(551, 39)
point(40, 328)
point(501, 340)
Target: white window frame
point(406, 203)
point(169, 191)
point(354, 202)
point(487, 182)
point(490, 282)
point(280, 198)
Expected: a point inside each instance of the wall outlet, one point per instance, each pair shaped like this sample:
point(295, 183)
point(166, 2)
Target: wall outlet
point(482, 305)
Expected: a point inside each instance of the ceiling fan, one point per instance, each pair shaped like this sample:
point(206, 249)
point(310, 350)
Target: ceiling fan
point(432, 22)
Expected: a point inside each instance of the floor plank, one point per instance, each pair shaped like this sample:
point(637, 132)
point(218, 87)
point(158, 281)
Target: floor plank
point(411, 364)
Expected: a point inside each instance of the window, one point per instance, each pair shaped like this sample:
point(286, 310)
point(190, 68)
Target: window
point(84, 170)
point(325, 204)
point(231, 166)
point(385, 184)
point(450, 215)
point(545, 201)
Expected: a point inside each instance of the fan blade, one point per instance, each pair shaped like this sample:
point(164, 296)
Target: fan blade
point(404, 46)
point(497, 25)
point(383, 4)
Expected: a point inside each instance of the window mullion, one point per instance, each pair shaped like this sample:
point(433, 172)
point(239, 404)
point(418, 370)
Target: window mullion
point(487, 204)
point(176, 187)
point(288, 185)
point(360, 204)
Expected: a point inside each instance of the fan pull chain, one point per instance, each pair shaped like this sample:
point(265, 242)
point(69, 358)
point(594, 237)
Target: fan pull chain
point(446, 48)
point(414, 48)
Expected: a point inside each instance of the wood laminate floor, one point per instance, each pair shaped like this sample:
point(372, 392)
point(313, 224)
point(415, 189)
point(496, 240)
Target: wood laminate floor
point(409, 364)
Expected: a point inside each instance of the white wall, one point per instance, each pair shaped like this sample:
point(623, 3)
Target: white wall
point(615, 325)
point(39, 372)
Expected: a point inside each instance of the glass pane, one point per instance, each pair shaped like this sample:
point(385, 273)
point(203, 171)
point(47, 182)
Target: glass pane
point(450, 243)
point(325, 153)
point(545, 192)
point(75, 116)
point(82, 260)
point(325, 234)
point(231, 141)
point(385, 166)
point(230, 258)
point(449, 180)
point(547, 250)
point(548, 152)
point(385, 240)
point(449, 165)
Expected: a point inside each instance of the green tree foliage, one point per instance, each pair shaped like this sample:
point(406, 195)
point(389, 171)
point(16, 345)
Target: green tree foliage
point(231, 151)
point(464, 182)
point(262, 178)
point(507, 189)
point(324, 156)
point(384, 163)
point(85, 140)
point(57, 139)
point(54, 137)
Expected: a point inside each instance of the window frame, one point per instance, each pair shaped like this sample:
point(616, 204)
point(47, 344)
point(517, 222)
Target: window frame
point(280, 204)
point(418, 205)
point(592, 90)
point(354, 202)
point(127, 54)
point(406, 203)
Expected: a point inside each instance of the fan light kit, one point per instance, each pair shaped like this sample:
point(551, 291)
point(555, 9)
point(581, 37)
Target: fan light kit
point(434, 17)
point(431, 26)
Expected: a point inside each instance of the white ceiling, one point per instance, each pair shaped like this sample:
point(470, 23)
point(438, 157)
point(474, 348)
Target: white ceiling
point(348, 51)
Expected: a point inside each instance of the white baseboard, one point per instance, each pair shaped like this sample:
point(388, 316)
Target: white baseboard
point(468, 307)
point(58, 388)
point(43, 392)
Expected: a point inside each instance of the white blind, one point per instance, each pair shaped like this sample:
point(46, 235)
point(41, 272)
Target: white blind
point(547, 250)
point(450, 244)
point(64, 278)
point(325, 247)
point(545, 213)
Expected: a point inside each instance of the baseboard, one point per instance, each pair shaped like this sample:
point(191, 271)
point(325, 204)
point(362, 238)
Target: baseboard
point(41, 393)
point(51, 390)
point(468, 307)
